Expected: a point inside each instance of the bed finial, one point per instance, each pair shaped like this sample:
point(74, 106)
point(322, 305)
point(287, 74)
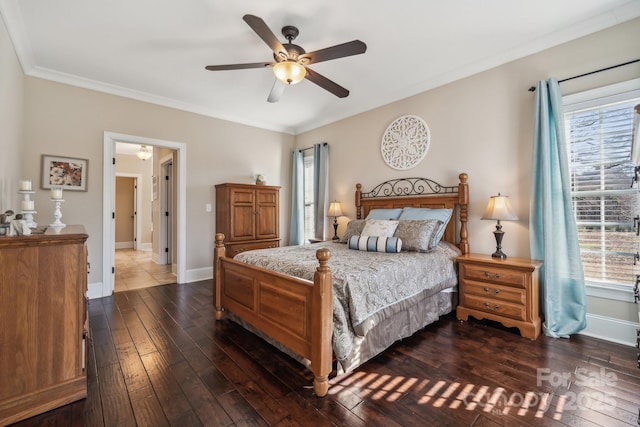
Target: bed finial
point(358, 204)
point(463, 201)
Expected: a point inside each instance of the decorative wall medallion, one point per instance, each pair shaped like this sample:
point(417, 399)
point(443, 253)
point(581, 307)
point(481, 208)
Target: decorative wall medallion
point(405, 142)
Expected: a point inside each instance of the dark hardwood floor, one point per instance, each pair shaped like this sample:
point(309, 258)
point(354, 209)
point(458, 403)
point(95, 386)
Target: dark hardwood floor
point(158, 357)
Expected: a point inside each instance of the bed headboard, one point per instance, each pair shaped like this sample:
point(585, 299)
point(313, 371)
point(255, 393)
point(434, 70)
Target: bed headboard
point(421, 193)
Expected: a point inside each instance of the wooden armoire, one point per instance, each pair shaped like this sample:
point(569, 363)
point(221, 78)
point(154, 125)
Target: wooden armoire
point(248, 216)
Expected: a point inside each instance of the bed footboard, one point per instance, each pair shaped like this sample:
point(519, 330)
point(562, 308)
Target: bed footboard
point(295, 312)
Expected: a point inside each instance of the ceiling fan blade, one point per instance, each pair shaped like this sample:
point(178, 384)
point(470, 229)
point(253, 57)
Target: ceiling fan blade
point(355, 47)
point(326, 84)
point(265, 33)
point(276, 91)
point(238, 66)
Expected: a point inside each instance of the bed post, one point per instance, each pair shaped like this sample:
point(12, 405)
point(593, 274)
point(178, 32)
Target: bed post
point(358, 204)
point(218, 252)
point(322, 324)
point(463, 200)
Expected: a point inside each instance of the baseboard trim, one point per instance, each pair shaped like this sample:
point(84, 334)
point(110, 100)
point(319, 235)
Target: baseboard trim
point(145, 247)
point(610, 329)
point(198, 274)
point(94, 290)
point(124, 245)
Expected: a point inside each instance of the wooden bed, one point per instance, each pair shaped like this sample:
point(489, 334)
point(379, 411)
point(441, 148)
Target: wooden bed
point(298, 313)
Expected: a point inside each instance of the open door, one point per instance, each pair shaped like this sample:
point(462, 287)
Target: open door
point(167, 211)
point(126, 213)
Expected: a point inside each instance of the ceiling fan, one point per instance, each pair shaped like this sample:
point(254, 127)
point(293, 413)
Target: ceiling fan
point(291, 61)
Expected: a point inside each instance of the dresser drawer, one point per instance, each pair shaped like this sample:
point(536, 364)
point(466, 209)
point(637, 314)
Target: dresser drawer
point(493, 306)
point(234, 249)
point(495, 275)
point(498, 292)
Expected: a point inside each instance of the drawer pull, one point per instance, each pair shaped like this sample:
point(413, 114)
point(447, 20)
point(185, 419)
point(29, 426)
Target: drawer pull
point(486, 289)
point(495, 276)
point(497, 291)
point(495, 307)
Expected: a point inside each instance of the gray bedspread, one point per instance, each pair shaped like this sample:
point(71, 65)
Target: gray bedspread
point(367, 286)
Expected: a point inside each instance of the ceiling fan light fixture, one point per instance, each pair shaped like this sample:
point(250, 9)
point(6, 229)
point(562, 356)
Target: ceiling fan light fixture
point(144, 153)
point(289, 72)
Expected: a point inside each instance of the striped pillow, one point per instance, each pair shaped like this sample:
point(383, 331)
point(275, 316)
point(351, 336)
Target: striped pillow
point(375, 243)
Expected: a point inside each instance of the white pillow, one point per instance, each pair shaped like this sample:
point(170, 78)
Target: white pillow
point(379, 227)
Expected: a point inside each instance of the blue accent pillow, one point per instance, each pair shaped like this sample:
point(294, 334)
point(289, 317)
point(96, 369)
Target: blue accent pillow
point(384, 213)
point(443, 215)
point(375, 244)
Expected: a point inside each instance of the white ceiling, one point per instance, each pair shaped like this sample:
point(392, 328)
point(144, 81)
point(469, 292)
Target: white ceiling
point(156, 50)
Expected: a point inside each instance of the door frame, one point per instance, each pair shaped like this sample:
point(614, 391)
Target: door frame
point(108, 204)
point(137, 223)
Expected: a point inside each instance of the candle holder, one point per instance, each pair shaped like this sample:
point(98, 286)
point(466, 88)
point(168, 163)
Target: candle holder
point(28, 208)
point(57, 214)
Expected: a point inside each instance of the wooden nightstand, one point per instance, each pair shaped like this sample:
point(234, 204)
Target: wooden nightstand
point(505, 291)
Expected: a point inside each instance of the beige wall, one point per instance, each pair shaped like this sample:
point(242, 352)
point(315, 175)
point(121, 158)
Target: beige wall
point(481, 125)
point(11, 123)
point(71, 121)
point(130, 164)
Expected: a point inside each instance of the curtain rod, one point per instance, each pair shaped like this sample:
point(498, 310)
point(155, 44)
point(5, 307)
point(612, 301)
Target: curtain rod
point(311, 148)
point(533, 88)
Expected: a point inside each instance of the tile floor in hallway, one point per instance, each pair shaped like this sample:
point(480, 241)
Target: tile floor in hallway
point(136, 270)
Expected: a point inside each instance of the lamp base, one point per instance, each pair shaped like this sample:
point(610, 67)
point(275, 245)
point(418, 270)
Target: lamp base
point(499, 234)
point(499, 254)
point(335, 229)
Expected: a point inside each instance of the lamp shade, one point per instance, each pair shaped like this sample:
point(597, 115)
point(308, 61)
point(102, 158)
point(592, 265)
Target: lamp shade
point(499, 208)
point(144, 153)
point(334, 209)
point(289, 72)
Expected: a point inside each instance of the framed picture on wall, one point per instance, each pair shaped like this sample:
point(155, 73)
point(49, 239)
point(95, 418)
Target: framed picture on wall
point(66, 172)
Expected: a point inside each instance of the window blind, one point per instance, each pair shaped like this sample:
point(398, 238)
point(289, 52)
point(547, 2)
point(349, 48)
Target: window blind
point(604, 200)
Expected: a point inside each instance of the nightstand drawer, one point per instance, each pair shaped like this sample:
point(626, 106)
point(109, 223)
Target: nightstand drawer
point(490, 290)
point(501, 308)
point(495, 275)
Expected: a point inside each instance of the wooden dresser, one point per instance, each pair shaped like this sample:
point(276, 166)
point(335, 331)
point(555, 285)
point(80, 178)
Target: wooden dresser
point(43, 322)
point(503, 290)
point(248, 216)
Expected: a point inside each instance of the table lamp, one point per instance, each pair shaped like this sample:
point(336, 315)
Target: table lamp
point(499, 208)
point(335, 211)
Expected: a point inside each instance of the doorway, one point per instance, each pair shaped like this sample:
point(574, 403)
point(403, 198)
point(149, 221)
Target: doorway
point(106, 288)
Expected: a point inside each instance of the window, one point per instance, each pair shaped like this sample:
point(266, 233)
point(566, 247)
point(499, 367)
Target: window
point(309, 201)
point(605, 197)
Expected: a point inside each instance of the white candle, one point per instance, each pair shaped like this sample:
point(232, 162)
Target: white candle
point(25, 185)
point(56, 193)
point(28, 205)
